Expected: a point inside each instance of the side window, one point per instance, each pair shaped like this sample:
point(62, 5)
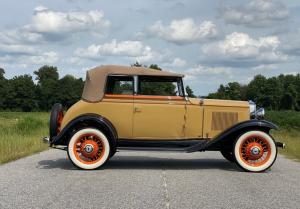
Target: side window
point(163, 86)
point(119, 85)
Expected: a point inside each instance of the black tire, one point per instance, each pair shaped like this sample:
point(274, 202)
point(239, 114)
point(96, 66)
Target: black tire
point(112, 152)
point(56, 112)
point(228, 155)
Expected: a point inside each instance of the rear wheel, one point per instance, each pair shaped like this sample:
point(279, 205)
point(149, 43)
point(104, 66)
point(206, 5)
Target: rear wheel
point(255, 151)
point(228, 155)
point(89, 149)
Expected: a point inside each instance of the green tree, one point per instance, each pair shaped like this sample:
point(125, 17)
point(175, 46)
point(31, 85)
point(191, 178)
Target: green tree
point(155, 67)
point(2, 72)
point(70, 90)
point(190, 92)
point(256, 90)
point(2, 89)
point(137, 64)
point(232, 90)
point(47, 87)
point(21, 93)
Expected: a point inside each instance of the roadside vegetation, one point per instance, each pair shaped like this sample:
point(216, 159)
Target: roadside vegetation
point(20, 134)
point(289, 131)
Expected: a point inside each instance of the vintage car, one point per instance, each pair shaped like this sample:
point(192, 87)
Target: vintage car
point(136, 108)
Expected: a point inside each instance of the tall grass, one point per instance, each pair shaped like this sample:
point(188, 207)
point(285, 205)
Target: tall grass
point(20, 134)
point(289, 131)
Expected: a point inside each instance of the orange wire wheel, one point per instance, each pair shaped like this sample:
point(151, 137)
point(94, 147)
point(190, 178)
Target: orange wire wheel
point(255, 151)
point(88, 148)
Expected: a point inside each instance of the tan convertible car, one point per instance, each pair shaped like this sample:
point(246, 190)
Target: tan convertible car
point(138, 108)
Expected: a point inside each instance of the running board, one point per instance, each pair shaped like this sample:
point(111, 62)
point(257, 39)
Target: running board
point(154, 145)
point(168, 149)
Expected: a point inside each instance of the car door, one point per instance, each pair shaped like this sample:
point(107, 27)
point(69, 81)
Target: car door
point(159, 109)
point(117, 104)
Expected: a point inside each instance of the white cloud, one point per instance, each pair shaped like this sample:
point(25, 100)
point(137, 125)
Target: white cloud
point(184, 31)
point(122, 48)
point(40, 58)
point(291, 43)
point(131, 49)
point(201, 70)
point(49, 22)
point(19, 36)
point(240, 47)
point(16, 49)
point(265, 67)
point(177, 62)
point(257, 13)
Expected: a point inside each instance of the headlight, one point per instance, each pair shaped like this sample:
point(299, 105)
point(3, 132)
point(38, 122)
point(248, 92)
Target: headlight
point(260, 113)
point(252, 107)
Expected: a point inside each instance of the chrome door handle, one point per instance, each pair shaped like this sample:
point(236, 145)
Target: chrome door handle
point(137, 109)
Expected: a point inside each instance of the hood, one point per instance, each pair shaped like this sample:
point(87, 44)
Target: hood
point(218, 102)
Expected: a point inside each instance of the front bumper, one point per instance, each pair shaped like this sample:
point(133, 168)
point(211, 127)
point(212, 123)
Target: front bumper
point(280, 145)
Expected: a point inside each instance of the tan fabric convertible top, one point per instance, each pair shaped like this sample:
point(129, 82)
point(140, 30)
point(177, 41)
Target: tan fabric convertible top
point(94, 86)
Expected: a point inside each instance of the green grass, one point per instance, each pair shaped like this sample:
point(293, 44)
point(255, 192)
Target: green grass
point(291, 138)
point(20, 134)
point(289, 131)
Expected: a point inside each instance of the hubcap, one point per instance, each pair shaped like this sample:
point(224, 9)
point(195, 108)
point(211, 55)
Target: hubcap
point(255, 150)
point(89, 148)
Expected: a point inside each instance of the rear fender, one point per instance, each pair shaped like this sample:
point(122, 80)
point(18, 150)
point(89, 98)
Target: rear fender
point(86, 120)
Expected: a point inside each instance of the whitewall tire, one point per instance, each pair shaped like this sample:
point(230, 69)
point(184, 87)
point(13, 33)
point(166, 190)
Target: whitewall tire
point(88, 148)
point(255, 151)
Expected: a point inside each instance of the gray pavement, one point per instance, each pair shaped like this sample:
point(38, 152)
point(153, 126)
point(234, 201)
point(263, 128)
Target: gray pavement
point(147, 180)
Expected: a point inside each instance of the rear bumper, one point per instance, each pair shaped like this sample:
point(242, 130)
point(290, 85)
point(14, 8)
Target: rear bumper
point(46, 140)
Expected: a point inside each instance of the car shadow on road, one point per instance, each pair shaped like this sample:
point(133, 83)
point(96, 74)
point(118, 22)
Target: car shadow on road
point(146, 162)
point(62, 163)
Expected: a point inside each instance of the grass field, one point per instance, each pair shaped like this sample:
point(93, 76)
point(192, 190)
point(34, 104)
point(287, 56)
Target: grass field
point(289, 131)
point(20, 133)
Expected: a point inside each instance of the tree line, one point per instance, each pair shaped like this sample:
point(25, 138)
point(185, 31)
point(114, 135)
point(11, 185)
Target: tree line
point(276, 93)
point(22, 93)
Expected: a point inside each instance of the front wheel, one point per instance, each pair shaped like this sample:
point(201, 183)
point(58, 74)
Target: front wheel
point(255, 151)
point(88, 148)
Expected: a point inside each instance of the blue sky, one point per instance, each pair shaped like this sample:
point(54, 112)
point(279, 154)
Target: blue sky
point(211, 42)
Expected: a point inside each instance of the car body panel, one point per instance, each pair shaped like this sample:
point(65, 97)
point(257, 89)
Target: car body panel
point(163, 117)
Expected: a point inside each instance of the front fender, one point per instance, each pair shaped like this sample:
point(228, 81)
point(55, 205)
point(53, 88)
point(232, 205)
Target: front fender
point(232, 132)
point(86, 120)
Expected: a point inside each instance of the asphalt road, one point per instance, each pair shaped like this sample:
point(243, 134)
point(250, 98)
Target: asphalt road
point(147, 180)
